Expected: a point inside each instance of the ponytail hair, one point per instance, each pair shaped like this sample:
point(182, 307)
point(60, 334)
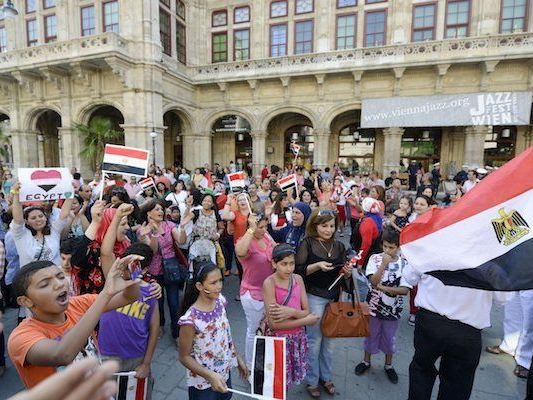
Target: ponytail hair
point(199, 274)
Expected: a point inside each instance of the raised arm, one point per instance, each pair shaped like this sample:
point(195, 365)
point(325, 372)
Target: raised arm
point(243, 244)
point(16, 208)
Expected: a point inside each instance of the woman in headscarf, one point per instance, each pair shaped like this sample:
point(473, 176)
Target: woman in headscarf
point(294, 232)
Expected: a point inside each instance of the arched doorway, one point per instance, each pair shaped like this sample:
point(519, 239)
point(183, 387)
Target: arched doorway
point(355, 147)
point(422, 145)
point(232, 142)
point(115, 116)
point(6, 149)
point(284, 129)
point(173, 139)
point(500, 145)
point(47, 127)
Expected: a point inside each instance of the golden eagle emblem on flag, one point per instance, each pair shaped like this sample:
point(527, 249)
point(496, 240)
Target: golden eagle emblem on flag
point(510, 227)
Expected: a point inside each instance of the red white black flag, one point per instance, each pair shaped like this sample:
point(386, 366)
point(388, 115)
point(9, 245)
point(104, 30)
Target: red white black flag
point(485, 240)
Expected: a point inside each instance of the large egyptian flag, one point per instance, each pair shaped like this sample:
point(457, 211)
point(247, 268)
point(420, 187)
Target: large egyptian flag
point(485, 240)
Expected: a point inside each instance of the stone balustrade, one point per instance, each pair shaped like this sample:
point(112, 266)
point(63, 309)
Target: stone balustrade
point(411, 54)
point(496, 47)
point(84, 48)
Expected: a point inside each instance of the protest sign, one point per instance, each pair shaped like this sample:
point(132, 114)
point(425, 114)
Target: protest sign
point(43, 184)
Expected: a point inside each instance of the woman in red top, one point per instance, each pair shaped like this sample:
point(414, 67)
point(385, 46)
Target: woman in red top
point(236, 212)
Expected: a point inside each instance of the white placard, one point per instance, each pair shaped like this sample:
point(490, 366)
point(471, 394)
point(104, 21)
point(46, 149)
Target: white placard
point(43, 184)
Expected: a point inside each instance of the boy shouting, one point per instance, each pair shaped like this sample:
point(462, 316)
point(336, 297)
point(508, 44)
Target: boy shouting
point(60, 329)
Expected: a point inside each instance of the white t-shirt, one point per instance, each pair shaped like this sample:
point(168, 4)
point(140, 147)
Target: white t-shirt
point(29, 248)
point(469, 306)
point(177, 198)
point(468, 186)
point(381, 304)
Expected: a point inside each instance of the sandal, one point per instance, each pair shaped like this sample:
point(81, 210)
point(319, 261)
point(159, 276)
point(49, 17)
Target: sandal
point(521, 372)
point(314, 391)
point(494, 350)
point(329, 386)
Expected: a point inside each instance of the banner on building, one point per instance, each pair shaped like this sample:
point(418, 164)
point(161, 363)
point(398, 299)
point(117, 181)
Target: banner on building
point(42, 184)
point(495, 108)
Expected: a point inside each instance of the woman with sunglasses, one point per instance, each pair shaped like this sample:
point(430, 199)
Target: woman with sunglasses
point(254, 251)
point(320, 258)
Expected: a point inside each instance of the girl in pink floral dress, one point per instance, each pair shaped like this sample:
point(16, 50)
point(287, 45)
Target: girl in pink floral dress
point(287, 311)
point(206, 347)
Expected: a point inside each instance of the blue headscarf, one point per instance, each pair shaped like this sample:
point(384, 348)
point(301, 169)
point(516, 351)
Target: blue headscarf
point(293, 235)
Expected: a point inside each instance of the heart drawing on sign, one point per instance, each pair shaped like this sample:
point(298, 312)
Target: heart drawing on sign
point(46, 180)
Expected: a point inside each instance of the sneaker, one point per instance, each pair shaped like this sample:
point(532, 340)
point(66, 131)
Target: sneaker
point(392, 375)
point(361, 368)
point(412, 319)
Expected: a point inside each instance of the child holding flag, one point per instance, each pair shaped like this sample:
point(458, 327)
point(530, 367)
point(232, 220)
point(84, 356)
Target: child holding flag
point(206, 346)
point(287, 310)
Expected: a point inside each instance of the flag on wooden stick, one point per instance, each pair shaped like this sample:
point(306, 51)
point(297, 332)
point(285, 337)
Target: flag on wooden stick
point(125, 160)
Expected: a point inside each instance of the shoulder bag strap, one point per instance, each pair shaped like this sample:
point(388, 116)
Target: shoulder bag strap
point(42, 249)
point(289, 292)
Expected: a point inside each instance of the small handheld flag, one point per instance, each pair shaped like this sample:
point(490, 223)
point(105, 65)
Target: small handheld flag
point(125, 160)
point(269, 367)
point(485, 240)
point(146, 183)
point(131, 388)
point(288, 182)
point(347, 193)
point(236, 181)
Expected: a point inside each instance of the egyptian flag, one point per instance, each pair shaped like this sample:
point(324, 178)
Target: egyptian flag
point(146, 183)
point(485, 240)
point(236, 181)
point(269, 368)
point(125, 160)
point(131, 388)
point(288, 182)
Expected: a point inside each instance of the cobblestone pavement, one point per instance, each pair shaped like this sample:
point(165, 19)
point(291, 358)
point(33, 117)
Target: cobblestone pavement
point(494, 378)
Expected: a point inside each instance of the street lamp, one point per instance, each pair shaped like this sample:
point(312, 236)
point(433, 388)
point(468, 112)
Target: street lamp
point(153, 135)
point(9, 10)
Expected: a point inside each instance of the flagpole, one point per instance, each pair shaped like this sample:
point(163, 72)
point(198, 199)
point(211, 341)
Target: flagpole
point(253, 396)
point(103, 186)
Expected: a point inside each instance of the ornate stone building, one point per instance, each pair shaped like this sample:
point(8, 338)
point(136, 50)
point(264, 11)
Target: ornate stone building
point(222, 80)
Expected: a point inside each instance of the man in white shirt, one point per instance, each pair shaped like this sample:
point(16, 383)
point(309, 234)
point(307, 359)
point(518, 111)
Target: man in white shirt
point(448, 326)
point(471, 182)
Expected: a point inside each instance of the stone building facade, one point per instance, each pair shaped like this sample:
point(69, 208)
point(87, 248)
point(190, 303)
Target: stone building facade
point(238, 80)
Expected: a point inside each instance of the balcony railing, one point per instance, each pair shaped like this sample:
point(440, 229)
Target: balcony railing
point(411, 54)
point(60, 52)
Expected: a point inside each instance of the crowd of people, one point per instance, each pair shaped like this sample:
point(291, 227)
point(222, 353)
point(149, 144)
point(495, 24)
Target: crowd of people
point(110, 271)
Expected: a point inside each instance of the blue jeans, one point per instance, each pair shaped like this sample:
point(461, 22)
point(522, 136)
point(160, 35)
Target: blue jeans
point(209, 394)
point(320, 347)
point(173, 301)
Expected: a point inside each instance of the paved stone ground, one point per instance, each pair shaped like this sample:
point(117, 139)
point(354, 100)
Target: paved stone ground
point(494, 378)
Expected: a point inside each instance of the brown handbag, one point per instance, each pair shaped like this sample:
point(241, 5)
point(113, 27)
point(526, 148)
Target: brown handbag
point(346, 319)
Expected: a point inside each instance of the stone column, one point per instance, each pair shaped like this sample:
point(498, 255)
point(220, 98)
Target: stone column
point(391, 149)
point(196, 150)
point(523, 138)
point(321, 150)
point(139, 136)
point(475, 145)
point(258, 151)
point(25, 149)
